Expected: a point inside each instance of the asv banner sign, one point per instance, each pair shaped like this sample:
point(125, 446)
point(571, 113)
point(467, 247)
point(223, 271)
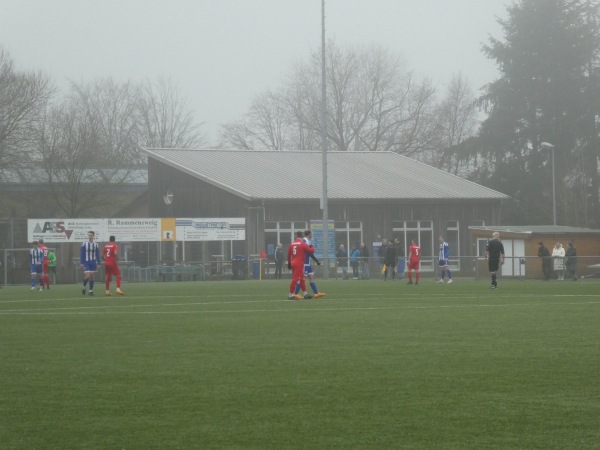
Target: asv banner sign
point(217, 229)
point(76, 230)
point(137, 230)
point(65, 230)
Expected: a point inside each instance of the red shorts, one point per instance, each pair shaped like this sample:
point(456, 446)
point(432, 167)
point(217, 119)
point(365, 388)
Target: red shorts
point(110, 269)
point(413, 264)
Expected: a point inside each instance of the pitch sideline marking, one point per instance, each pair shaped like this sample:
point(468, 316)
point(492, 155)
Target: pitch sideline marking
point(238, 311)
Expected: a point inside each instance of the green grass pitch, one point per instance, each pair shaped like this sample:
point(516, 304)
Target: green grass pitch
point(235, 365)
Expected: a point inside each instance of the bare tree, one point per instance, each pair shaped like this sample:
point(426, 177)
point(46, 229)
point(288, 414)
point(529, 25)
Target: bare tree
point(23, 96)
point(456, 117)
point(69, 146)
point(112, 108)
point(373, 104)
point(264, 126)
point(88, 147)
point(165, 119)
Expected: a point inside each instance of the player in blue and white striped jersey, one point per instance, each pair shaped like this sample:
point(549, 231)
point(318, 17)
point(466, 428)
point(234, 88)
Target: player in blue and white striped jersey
point(36, 256)
point(89, 259)
point(443, 261)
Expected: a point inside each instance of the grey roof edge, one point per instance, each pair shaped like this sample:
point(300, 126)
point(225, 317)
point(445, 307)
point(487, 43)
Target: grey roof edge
point(536, 229)
point(195, 174)
point(501, 195)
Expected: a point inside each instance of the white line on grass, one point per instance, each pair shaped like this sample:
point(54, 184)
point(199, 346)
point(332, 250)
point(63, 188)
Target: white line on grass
point(63, 311)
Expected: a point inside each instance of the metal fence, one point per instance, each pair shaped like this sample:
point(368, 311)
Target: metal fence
point(14, 269)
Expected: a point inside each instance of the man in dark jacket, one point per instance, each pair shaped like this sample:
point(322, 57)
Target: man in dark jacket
point(571, 262)
point(544, 253)
point(342, 260)
point(279, 257)
point(391, 256)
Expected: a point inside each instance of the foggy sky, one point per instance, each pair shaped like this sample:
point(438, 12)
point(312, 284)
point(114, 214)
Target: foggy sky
point(221, 53)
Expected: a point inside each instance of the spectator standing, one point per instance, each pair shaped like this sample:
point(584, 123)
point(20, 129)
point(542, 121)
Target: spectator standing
point(544, 253)
point(558, 256)
point(571, 262)
point(342, 260)
point(365, 273)
point(278, 260)
point(354, 259)
point(391, 256)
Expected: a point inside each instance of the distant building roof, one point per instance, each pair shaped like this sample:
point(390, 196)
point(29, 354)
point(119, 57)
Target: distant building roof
point(298, 175)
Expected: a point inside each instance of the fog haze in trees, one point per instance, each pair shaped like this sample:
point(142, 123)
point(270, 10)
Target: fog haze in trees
point(223, 53)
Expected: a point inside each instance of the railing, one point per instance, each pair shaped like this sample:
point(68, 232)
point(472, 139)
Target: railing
point(467, 267)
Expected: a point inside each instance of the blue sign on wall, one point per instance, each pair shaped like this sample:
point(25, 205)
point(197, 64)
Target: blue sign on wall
point(316, 227)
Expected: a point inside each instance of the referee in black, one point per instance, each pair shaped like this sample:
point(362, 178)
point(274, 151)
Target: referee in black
point(494, 253)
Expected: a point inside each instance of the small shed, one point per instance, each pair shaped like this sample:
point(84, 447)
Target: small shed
point(521, 244)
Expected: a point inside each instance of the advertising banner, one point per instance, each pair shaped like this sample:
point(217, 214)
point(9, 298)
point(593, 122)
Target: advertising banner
point(137, 230)
point(316, 227)
point(230, 229)
point(65, 230)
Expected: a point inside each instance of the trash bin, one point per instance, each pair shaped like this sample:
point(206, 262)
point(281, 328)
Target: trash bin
point(256, 269)
point(401, 267)
point(239, 267)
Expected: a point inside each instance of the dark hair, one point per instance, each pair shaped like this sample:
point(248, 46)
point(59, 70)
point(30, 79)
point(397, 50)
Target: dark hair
point(299, 234)
point(41, 241)
point(111, 239)
point(307, 232)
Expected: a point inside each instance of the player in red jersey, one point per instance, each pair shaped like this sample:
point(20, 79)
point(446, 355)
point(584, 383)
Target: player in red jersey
point(45, 264)
point(110, 256)
point(414, 260)
point(297, 252)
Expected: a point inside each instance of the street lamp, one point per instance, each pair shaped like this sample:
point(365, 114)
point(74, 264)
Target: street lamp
point(549, 146)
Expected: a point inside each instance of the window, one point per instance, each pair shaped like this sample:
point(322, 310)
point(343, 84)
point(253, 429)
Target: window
point(453, 239)
point(422, 232)
point(276, 232)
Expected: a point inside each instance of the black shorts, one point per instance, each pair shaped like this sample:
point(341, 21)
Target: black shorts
point(494, 265)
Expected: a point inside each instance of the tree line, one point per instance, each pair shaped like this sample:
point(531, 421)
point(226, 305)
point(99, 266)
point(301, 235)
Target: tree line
point(547, 90)
point(90, 136)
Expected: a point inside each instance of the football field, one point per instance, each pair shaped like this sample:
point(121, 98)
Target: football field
point(235, 365)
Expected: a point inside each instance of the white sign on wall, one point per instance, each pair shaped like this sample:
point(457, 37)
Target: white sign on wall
point(230, 229)
point(137, 230)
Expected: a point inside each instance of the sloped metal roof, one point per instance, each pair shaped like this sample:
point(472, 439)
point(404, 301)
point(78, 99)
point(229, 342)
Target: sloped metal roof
point(297, 175)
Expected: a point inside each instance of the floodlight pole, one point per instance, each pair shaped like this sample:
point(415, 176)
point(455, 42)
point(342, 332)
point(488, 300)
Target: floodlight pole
point(547, 145)
point(324, 204)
